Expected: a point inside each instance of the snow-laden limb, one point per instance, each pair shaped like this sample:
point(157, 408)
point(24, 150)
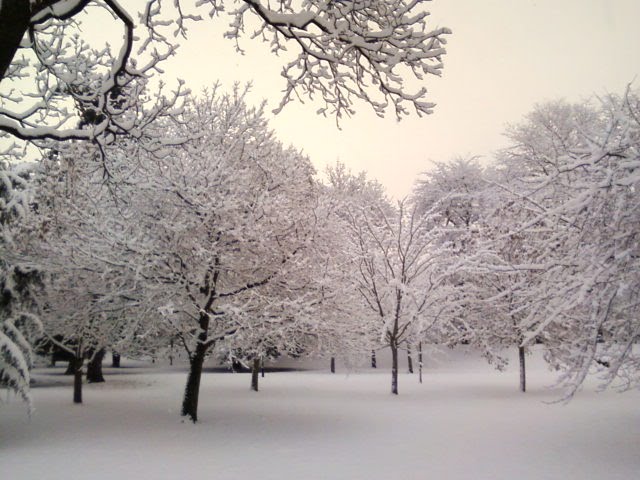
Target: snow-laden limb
point(362, 50)
point(346, 51)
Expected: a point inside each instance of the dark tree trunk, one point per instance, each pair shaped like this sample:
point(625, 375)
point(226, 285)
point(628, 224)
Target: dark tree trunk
point(523, 376)
point(52, 361)
point(115, 360)
point(255, 370)
point(77, 379)
point(409, 359)
point(420, 361)
point(333, 364)
point(196, 360)
point(15, 16)
point(236, 366)
point(374, 363)
point(171, 352)
point(15, 19)
point(94, 368)
point(262, 368)
point(394, 368)
point(192, 390)
point(71, 367)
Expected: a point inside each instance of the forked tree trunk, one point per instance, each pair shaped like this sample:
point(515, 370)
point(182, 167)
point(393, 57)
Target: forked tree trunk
point(115, 360)
point(409, 359)
point(523, 373)
point(333, 364)
point(374, 362)
point(94, 368)
point(255, 370)
point(420, 361)
point(77, 379)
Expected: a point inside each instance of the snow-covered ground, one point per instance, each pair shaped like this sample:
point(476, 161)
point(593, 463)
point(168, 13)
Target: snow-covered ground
point(466, 421)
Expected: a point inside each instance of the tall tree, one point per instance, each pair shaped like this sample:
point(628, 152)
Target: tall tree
point(223, 226)
point(396, 254)
point(19, 283)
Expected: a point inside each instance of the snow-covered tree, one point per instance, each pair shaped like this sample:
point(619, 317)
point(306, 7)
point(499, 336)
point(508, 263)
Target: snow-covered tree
point(19, 284)
point(397, 259)
point(72, 239)
point(478, 214)
point(222, 226)
point(567, 237)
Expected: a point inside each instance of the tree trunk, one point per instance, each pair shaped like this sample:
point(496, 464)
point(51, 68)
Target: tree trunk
point(262, 368)
point(374, 362)
point(196, 360)
point(523, 378)
point(409, 359)
point(255, 370)
point(77, 379)
point(394, 368)
point(171, 352)
point(15, 16)
point(420, 361)
point(192, 390)
point(71, 367)
point(94, 368)
point(333, 364)
point(115, 360)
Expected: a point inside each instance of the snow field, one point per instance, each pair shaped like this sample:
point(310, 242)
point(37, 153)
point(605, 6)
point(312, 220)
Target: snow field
point(466, 421)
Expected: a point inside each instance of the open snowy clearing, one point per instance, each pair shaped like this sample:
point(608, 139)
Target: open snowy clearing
point(466, 421)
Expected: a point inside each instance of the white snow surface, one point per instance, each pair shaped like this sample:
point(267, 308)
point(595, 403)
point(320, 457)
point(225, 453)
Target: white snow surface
point(466, 421)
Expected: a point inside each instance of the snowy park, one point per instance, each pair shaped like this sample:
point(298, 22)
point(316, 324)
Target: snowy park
point(466, 420)
point(319, 239)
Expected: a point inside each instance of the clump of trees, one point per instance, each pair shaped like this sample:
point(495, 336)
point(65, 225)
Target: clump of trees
point(546, 236)
point(162, 220)
point(87, 103)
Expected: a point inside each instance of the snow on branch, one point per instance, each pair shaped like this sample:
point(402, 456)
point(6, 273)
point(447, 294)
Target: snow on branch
point(363, 50)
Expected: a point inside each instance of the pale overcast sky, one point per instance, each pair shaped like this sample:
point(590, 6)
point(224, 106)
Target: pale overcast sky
point(502, 58)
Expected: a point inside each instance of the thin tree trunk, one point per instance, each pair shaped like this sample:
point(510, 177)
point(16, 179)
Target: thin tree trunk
point(374, 362)
point(115, 360)
point(394, 368)
point(523, 377)
point(333, 364)
point(262, 368)
point(94, 368)
point(254, 374)
point(409, 359)
point(171, 352)
point(420, 361)
point(77, 379)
